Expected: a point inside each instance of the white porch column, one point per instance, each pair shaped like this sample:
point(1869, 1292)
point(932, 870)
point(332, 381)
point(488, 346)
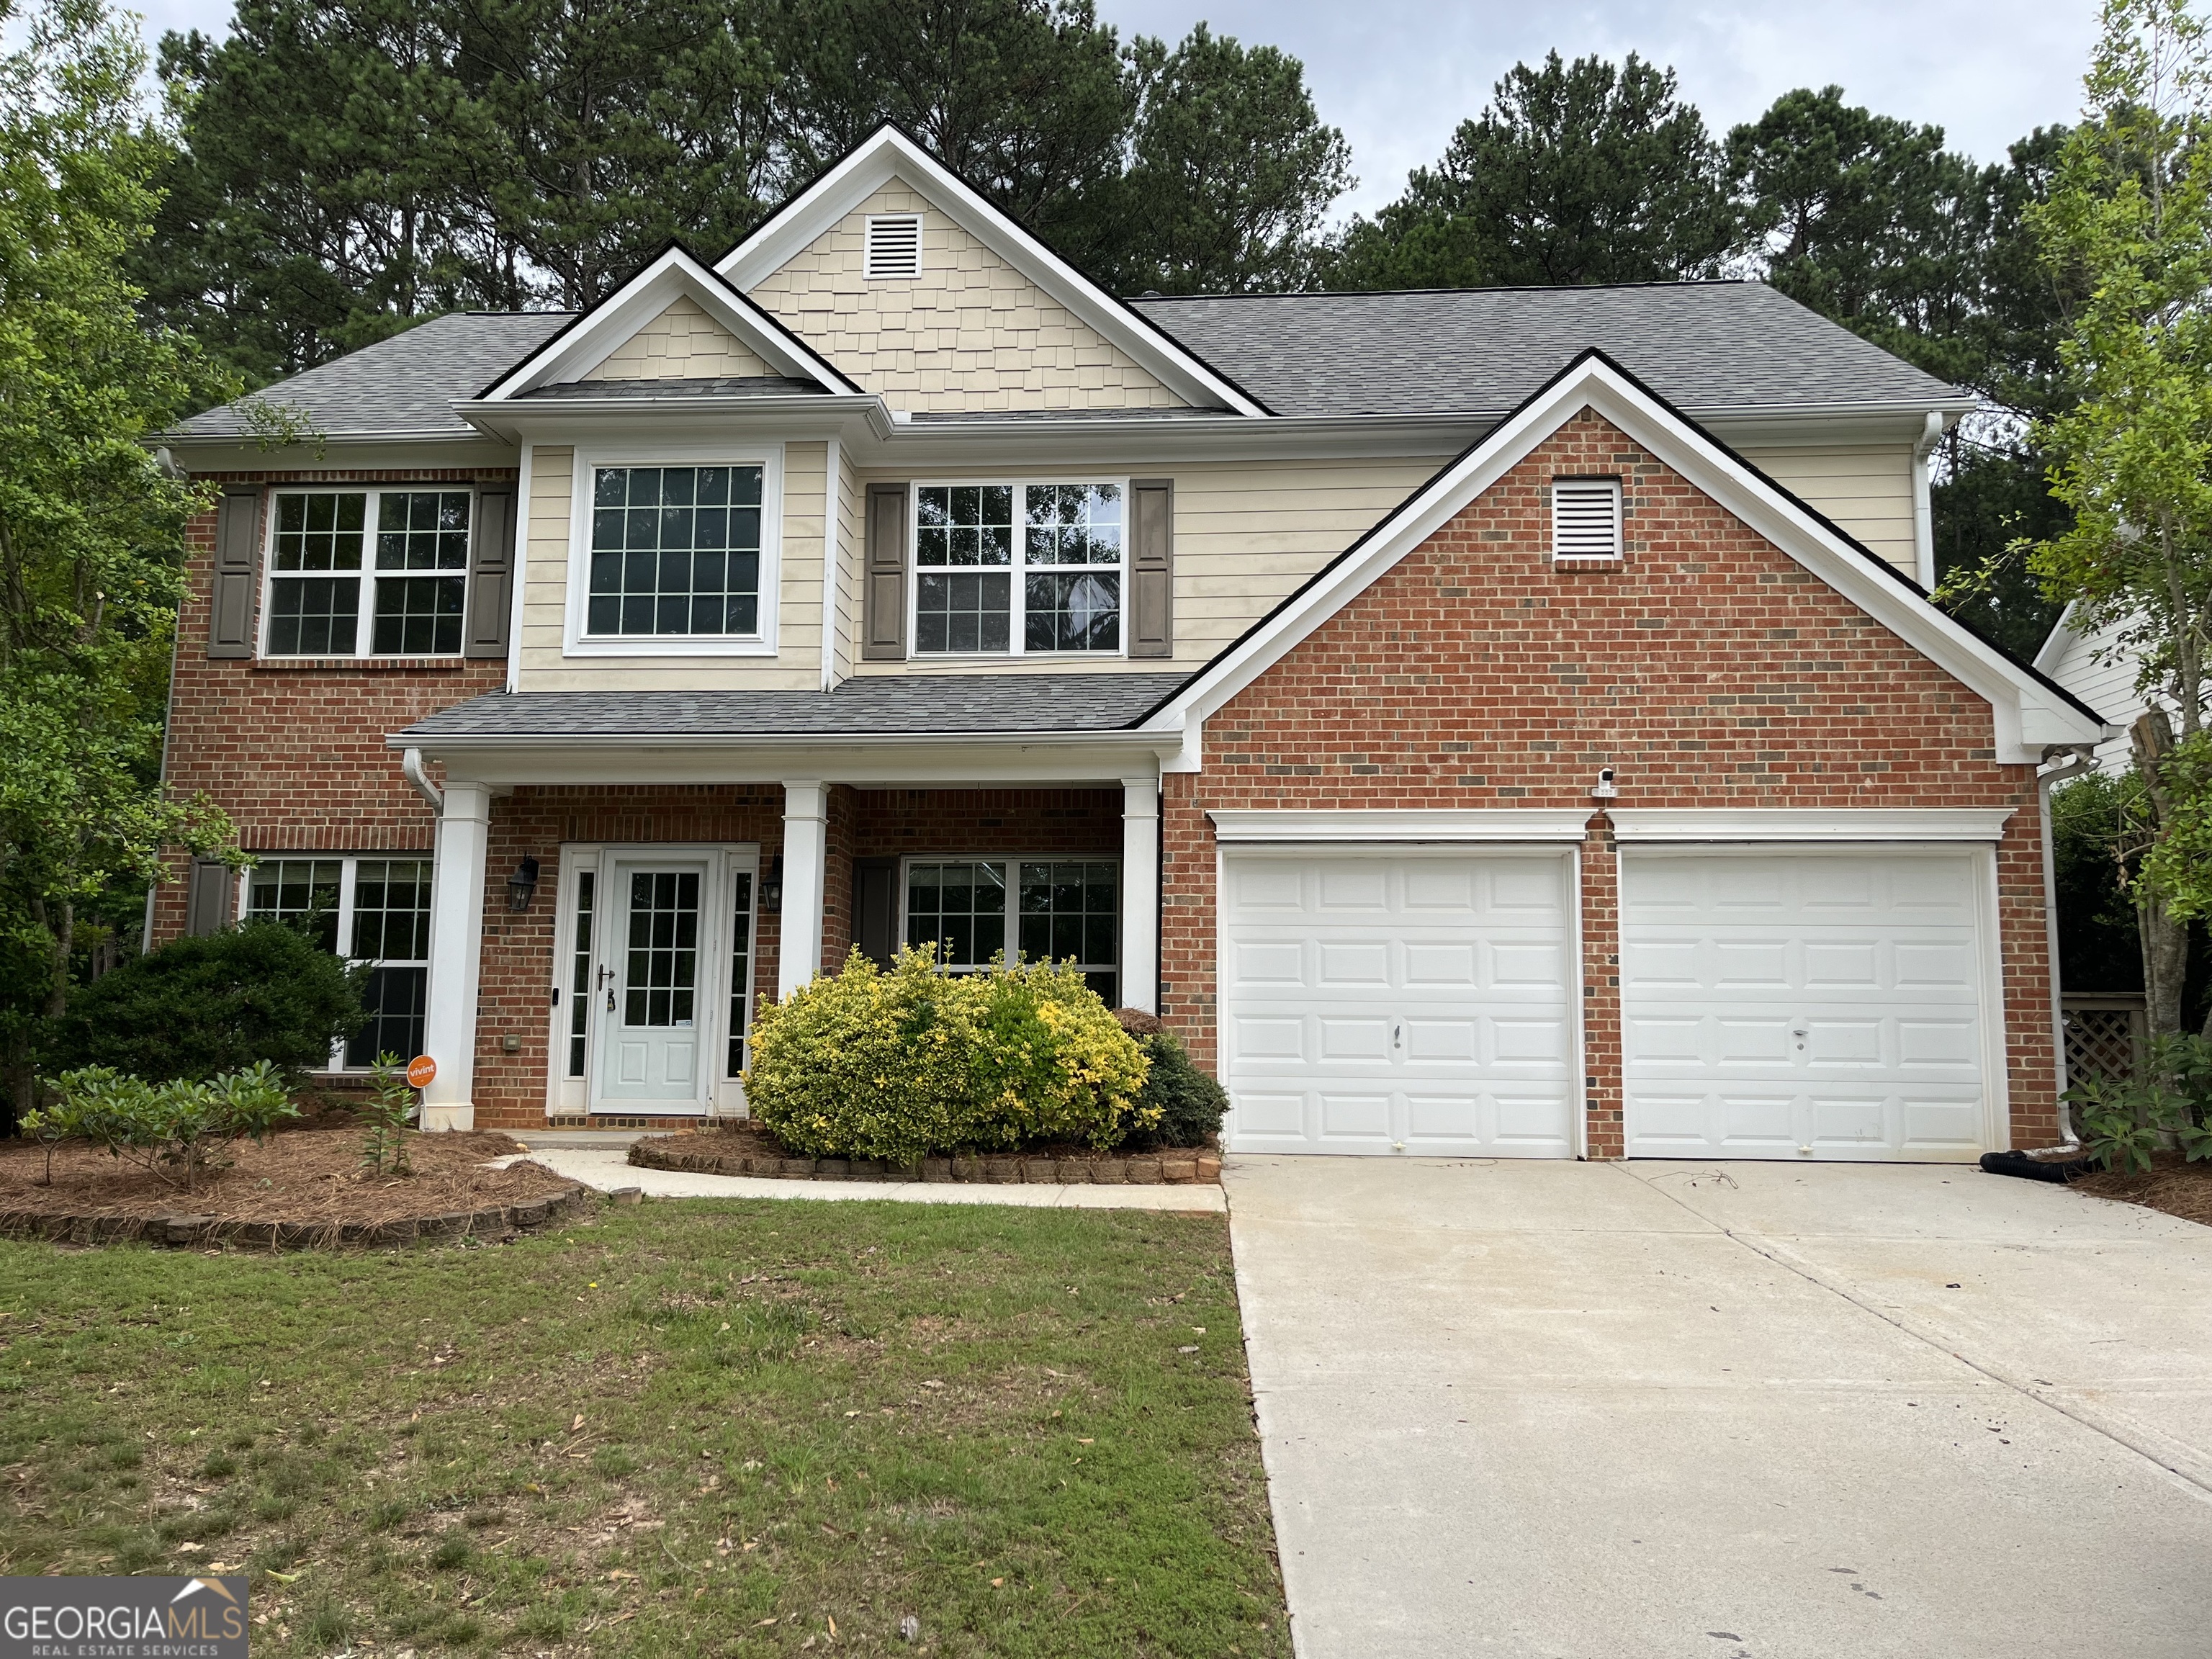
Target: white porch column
point(805, 853)
point(457, 900)
point(1140, 894)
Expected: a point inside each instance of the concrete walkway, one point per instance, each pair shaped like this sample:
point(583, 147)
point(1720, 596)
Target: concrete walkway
point(605, 1167)
point(1657, 1411)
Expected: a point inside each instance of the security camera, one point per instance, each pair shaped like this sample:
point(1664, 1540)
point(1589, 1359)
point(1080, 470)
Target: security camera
point(1603, 788)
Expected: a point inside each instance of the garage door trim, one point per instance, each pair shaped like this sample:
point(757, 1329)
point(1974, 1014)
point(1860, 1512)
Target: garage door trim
point(1400, 825)
point(1862, 826)
point(1570, 853)
point(1996, 1108)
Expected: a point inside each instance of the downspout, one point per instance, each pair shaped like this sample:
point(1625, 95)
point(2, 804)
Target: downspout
point(2082, 761)
point(1923, 510)
point(410, 764)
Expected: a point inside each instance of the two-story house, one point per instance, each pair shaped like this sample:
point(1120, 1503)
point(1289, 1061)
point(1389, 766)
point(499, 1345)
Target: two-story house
point(1503, 723)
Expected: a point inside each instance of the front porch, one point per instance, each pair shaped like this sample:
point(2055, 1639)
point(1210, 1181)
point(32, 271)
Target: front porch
point(615, 990)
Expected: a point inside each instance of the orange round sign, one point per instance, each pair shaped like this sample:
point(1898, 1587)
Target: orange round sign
point(422, 1070)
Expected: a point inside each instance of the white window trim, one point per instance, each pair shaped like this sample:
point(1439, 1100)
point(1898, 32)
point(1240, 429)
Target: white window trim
point(869, 222)
point(1016, 570)
point(1012, 863)
point(570, 1097)
point(576, 642)
point(365, 616)
point(349, 870)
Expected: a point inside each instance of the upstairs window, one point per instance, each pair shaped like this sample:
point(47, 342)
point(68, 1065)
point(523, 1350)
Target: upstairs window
point(893, 250)
point(357, 573)
point(1009, 569)
point(1585, 520)
point(676, 553)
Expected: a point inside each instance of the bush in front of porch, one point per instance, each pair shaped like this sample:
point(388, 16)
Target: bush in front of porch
point(893, 1066)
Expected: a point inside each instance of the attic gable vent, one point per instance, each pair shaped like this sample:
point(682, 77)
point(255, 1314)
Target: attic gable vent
point(894, 248)
point(1585, 520)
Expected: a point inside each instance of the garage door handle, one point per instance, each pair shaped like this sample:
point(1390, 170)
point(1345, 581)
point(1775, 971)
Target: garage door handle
point(1397, 1034)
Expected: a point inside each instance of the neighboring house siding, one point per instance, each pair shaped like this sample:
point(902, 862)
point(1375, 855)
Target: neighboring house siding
point(973, 333)
point(2098, 669)
point(1867, 488)
point(796, 664)
point(1711, 669)
point(294, 750)
point(682, 343)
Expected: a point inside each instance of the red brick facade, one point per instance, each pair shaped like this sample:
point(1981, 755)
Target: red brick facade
point(1709, 668)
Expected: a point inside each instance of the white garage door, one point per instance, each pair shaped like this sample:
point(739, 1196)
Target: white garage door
point(1793, 1005)
point(1398, 1001)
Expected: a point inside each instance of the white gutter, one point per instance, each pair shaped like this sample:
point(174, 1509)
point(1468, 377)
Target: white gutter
point(410, 765)
point(2083, 760)
point(1923, 510)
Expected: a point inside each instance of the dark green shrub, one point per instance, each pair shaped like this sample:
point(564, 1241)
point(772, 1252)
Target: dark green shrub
point(197, 1007)
point(177, 1129)
point(1190, 1105)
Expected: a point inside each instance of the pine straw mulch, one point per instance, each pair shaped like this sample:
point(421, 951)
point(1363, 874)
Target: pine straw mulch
point(2171, 1185)
point(302, 1175)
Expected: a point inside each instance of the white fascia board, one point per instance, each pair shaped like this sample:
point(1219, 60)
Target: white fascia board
point(888, 154)
point(387, 453)
point(1502, 824)
point(1837, 826)
point(584, 420)
point(2028, 715)
point(2052, 651)
point(589, 341)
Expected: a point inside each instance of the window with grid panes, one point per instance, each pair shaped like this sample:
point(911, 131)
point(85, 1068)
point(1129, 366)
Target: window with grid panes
point(579, 975)
point(380, 907)
point(1017, 568)
point(368, 573)
point(741, 968)
point(1040, 909)
point(676, 551)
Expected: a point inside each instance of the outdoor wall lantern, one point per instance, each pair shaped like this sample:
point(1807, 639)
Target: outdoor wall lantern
point(771, 903)
point(522, 885)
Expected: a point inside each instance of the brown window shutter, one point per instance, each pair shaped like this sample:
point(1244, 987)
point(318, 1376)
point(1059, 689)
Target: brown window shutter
point(875, 908)
point(237, 526)
point(1151, 568)
point(491, 575)
point(207, 896)
point(882, 586)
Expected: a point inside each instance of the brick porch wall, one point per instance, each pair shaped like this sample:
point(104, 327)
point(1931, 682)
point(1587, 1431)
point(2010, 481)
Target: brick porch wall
point(1709, 668)
point(293, 750)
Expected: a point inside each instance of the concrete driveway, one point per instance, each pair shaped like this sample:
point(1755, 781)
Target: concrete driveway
point(1659, 1410)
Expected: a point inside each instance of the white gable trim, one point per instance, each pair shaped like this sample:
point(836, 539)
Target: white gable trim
point(574, 353)
point(2028, 715)
point(889, 153)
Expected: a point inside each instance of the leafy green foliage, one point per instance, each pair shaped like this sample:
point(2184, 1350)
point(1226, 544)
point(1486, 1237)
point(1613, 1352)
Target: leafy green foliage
point(176, 1129)
point(1190, 1104)
point(198, 1006)
point(2125, 1120)
point(91, 529)
point(385, 1115)
point(2096, 833)
point(1581, 172)
point(893, 1065)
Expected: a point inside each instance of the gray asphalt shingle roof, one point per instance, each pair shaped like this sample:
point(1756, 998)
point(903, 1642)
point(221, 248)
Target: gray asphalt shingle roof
point(404, 385)
point(1703, 346)
point(948, 705)
point(717, 386)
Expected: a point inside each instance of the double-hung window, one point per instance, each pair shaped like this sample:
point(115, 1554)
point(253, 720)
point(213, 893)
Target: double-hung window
point(1015, 568)
point(361, 573)
point(1033, 909)
point(678, 553)
point(374, 911)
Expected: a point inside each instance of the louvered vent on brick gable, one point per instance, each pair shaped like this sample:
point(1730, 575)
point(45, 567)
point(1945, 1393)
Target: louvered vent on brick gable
point(1585, 518)
point(894, 248)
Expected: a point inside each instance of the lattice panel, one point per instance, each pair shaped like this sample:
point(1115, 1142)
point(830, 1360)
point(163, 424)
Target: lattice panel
point(2100, 1041)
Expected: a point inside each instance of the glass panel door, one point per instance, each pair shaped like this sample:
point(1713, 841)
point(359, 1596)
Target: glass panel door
point(649, 1000)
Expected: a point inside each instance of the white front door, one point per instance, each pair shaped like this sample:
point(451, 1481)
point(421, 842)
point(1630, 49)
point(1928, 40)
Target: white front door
point(1793, 1005)
point(658, 973)
point(1394, 1000)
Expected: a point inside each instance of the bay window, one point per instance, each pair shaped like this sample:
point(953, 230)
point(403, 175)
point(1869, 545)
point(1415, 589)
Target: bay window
point(1009, 568)
point(355, 573)
point(1032, 910)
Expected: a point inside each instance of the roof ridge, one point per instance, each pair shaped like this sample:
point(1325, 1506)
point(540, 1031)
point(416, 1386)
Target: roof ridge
point(1499, 288)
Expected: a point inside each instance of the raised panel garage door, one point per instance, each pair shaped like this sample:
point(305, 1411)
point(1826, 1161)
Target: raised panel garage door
point(1398, 1001)
point(1804, 1005)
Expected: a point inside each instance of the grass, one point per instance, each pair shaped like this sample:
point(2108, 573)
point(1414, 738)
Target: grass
point(682, 1429)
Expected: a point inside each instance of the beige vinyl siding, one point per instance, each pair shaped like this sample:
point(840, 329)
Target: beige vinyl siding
point(796, 664)
point(851, 523)
point(972, 333)
point(1246, 534)
point(2107, 686)
point(682, 343)
point(1866, 489)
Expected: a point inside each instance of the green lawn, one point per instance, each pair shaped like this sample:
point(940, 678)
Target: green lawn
point(684, 1428)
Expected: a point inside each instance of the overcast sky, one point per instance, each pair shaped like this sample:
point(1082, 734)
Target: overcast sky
point(1397, 76)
